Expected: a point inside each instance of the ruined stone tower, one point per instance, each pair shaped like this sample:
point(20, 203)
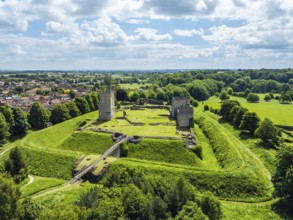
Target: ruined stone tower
point(107, 105)
point(182, 112)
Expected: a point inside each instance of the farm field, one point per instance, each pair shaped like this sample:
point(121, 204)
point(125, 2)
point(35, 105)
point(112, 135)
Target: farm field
point(281, 114)
point(133, 86)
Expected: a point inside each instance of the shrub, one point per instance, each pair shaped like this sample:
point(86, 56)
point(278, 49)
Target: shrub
point(194, 102)
point(224, 150)
point(224, 95)
point(252, 97)
point(206, 108)
point(124, 150)
point(249, 122)
point(198, 151)
point(226, 107)
point(211, 206)
point(267, 98)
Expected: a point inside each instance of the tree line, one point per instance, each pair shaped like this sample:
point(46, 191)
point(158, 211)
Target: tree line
point(14, 123)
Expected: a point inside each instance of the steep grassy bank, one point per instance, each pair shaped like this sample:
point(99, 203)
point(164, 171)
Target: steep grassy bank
point(46, 163)
point(87, 142)
point(168, 151)
point(53, 136)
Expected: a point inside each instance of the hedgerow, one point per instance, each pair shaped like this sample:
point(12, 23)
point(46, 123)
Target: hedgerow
point(225, 152)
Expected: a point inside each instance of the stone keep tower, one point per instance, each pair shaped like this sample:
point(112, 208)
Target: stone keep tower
point(107, 105)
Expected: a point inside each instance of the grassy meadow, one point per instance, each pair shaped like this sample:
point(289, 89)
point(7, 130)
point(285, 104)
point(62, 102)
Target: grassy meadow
point(281, 114)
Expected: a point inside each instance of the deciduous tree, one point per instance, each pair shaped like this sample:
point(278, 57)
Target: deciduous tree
point(249, 122)
point(59, 114)
point(283, 178)
point(38, 117)
point(21, 125)
point(3, 129)
point(224, 95)
point(89, 100)
point(82, 105)
point(16, 166)
point(73, 109)
point(10, 195)
point(267, 131)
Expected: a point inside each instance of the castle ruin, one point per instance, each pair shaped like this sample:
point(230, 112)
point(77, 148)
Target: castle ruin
point(182, 112)
point(107, 105)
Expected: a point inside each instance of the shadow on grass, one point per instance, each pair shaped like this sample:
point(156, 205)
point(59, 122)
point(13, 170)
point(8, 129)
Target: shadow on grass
point(283, 210)
point(17, 137)
point(246, 135)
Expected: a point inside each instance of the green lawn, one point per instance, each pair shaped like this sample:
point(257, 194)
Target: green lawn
point(146, 116)
point(281, 114)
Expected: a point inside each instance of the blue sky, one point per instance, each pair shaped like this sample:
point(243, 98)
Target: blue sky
point(145, 34)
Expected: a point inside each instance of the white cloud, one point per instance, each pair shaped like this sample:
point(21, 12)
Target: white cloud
point(148, 34)
point(189, 33)
point(85, 31)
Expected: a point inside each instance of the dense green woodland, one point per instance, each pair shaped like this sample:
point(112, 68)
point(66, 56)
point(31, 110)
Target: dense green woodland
point(239, 158)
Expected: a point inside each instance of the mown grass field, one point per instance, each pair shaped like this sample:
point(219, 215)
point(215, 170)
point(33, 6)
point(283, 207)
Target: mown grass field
point(146, 116)
point(133, 85)
point(281, 114)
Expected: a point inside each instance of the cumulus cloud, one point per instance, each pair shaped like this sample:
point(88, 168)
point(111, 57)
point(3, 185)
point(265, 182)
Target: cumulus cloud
point(148, 34)
point(175, 8)
point(189, 33)
point(87, 31)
